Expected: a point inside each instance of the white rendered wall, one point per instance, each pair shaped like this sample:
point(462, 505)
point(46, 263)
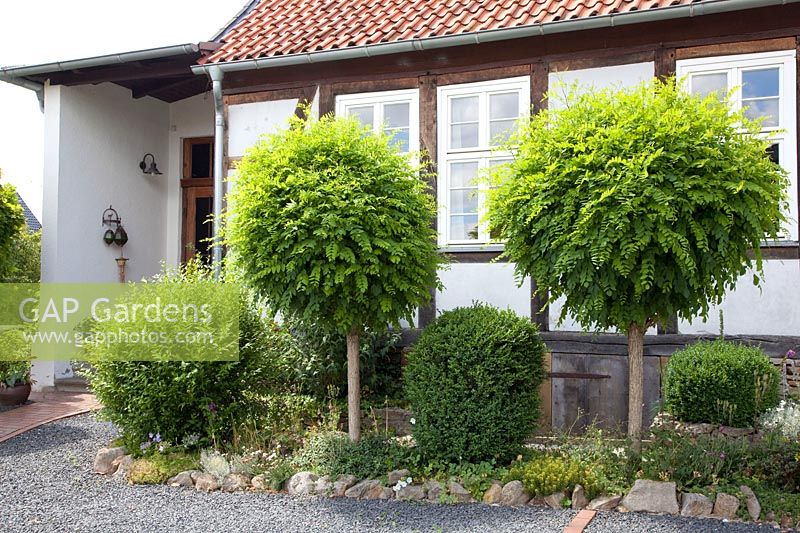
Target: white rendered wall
point(248, 122)
point(613, 77)
point(192, 117)
point(772, 310)
point(491, 283)
point(95, 137)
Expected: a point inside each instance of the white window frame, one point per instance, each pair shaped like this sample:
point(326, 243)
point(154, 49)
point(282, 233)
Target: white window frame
point(786, 138)
point(483, 153)
point(378, 100)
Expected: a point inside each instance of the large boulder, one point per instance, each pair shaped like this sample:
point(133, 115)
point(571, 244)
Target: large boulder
point(604, 503)
point(493, 494)
point(554, 500)
point(104, 460)
point(434, 490)
point(182, 479)
point(260, 482)
point(341, 485)
point(725, 506)
point(515, 494)
point(235, 482)
point(323, 486)
point(579, 500)
point(411, 493)
point(358, 490)
point(302, 484)
point(206, 482)
point(379, 492)
point(652, 497)
point(693, 504)
point(753, 506)
point(122, 466)
point(459, 493)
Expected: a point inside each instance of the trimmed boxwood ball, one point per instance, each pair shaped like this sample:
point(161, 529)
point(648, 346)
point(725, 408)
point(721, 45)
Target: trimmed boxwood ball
point(472, 380)
point(720, 382)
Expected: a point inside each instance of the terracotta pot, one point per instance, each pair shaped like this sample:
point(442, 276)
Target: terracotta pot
point(15, 395)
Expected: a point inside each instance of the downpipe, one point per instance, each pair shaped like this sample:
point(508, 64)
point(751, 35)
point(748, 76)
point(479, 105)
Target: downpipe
point(216, 75)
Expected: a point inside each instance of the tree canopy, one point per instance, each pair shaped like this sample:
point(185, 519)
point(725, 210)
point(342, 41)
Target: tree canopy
point(638, 204)
point(333, 224)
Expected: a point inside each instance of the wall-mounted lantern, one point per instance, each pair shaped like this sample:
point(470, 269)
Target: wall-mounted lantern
point(151, 168)
point(115, 234)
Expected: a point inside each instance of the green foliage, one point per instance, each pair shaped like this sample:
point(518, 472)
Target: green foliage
point(472, 380)
point(475, 477)
point(320, 361)
point(25, 261)
point(158, 468)
point(695, 463)
point(778, 502)
point(334, 225)
point(278, 475)
point(720, 382)
point(12, 222)
point(547, 474)
point(181, 398)
point(14, 373)
point(639, 204)
point(334, 454)
point(613, 467)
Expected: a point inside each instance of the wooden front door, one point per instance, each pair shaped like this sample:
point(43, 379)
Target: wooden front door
point(198, 197)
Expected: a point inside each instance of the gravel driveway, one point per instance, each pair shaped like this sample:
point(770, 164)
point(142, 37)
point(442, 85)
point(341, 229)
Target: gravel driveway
point(46, 485)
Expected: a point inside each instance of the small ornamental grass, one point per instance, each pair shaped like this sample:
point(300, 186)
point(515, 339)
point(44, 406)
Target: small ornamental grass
point(720, 382)
point(472, 381)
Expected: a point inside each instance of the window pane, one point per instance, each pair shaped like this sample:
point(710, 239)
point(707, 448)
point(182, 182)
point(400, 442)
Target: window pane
point(462, 174)
point(760, 83)
point(201, 160)
point(396, 115)
point(504, 105)
point(464, 201)
point(464, 109)
point(705, 84)
point(399, 138)
point(203, 226)
point(762, 108)
point(464, 135)
point(364, 114)
point(500, 130)
point(464, 227)
point(500, 161)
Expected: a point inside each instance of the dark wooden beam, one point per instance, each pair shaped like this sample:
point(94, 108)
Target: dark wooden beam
point(428, 147)
point(154, 87)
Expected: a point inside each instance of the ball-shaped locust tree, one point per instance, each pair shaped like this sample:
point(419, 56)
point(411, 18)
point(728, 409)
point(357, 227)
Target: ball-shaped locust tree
point(332, 223)
point(637, 205)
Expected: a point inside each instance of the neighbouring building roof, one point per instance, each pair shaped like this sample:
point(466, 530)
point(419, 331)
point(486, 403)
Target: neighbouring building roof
point(283, 27)
point(30, 218)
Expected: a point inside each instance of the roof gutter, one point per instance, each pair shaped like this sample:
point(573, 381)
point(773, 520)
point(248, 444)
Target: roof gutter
point(707, 7)
point(7, 73)
point(36, 87)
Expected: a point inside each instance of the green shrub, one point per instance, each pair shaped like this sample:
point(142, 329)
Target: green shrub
point(320, 361)
point(720, 382)
point(25, 258)
point(158, 468)
point(547, 474)
point(334, 454)
point(279, 474)
point(178, 399)
point(12, 222)
point(472, 381)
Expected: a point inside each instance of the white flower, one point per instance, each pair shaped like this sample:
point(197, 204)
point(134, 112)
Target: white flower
point(413, 421)
point(408, 480)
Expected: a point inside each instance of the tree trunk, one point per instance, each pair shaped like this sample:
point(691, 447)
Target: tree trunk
point(635, 384)
point(353, 386)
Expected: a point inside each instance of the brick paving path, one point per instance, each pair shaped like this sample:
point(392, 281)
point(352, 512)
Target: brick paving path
point(44, 408)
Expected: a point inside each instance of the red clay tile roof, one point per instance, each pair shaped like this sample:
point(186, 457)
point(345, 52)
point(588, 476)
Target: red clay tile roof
point(282, 27)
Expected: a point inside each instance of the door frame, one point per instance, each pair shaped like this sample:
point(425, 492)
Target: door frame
point(191, 189)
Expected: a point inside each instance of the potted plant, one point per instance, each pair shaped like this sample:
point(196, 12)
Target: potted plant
point(15, 382)
point(15, 367)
